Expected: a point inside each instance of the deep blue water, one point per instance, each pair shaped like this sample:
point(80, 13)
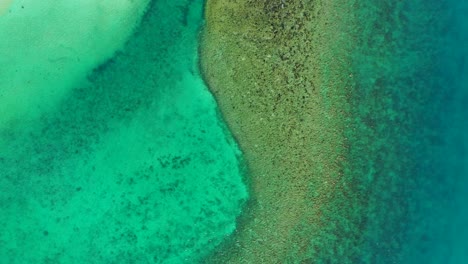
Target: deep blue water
point(411, 100)
point(442, 169)
point(453, 73)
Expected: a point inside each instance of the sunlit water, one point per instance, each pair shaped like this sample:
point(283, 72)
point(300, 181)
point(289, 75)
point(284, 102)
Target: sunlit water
point(131, 164)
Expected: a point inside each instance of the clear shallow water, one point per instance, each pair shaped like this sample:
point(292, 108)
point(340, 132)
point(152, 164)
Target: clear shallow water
point(132, 165)
point(47, 48)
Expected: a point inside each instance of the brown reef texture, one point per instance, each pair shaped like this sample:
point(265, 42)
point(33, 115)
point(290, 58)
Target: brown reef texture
point(280, 73)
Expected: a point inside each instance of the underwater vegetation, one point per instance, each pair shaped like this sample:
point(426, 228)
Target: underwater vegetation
point(221, 131)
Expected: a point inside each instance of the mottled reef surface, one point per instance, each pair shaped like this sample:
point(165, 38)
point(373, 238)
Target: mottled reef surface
point(280, 71)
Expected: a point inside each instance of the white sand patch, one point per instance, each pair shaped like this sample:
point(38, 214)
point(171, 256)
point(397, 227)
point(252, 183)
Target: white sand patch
point(4, 4)
point(48, 47)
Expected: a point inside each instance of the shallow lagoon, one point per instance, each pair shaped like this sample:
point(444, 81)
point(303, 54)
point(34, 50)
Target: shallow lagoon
point(131, 163)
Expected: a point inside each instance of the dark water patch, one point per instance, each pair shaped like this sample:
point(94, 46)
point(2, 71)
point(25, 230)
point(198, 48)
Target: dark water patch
point(408, 100)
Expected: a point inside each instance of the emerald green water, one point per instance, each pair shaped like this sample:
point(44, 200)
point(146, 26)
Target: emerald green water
point(131, 164)
point(112, 149)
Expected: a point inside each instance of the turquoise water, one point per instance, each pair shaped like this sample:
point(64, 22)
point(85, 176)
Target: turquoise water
point(131, 164)
point(112, 149)
point(411, 148)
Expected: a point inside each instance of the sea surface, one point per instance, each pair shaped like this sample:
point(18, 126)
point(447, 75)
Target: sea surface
point(410, 108)
point(112, 149)
point(132, 163)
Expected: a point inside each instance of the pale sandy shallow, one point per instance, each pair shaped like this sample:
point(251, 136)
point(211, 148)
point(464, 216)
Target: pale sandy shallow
point(280, 74)
point(49, 47)
point(4, 5)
